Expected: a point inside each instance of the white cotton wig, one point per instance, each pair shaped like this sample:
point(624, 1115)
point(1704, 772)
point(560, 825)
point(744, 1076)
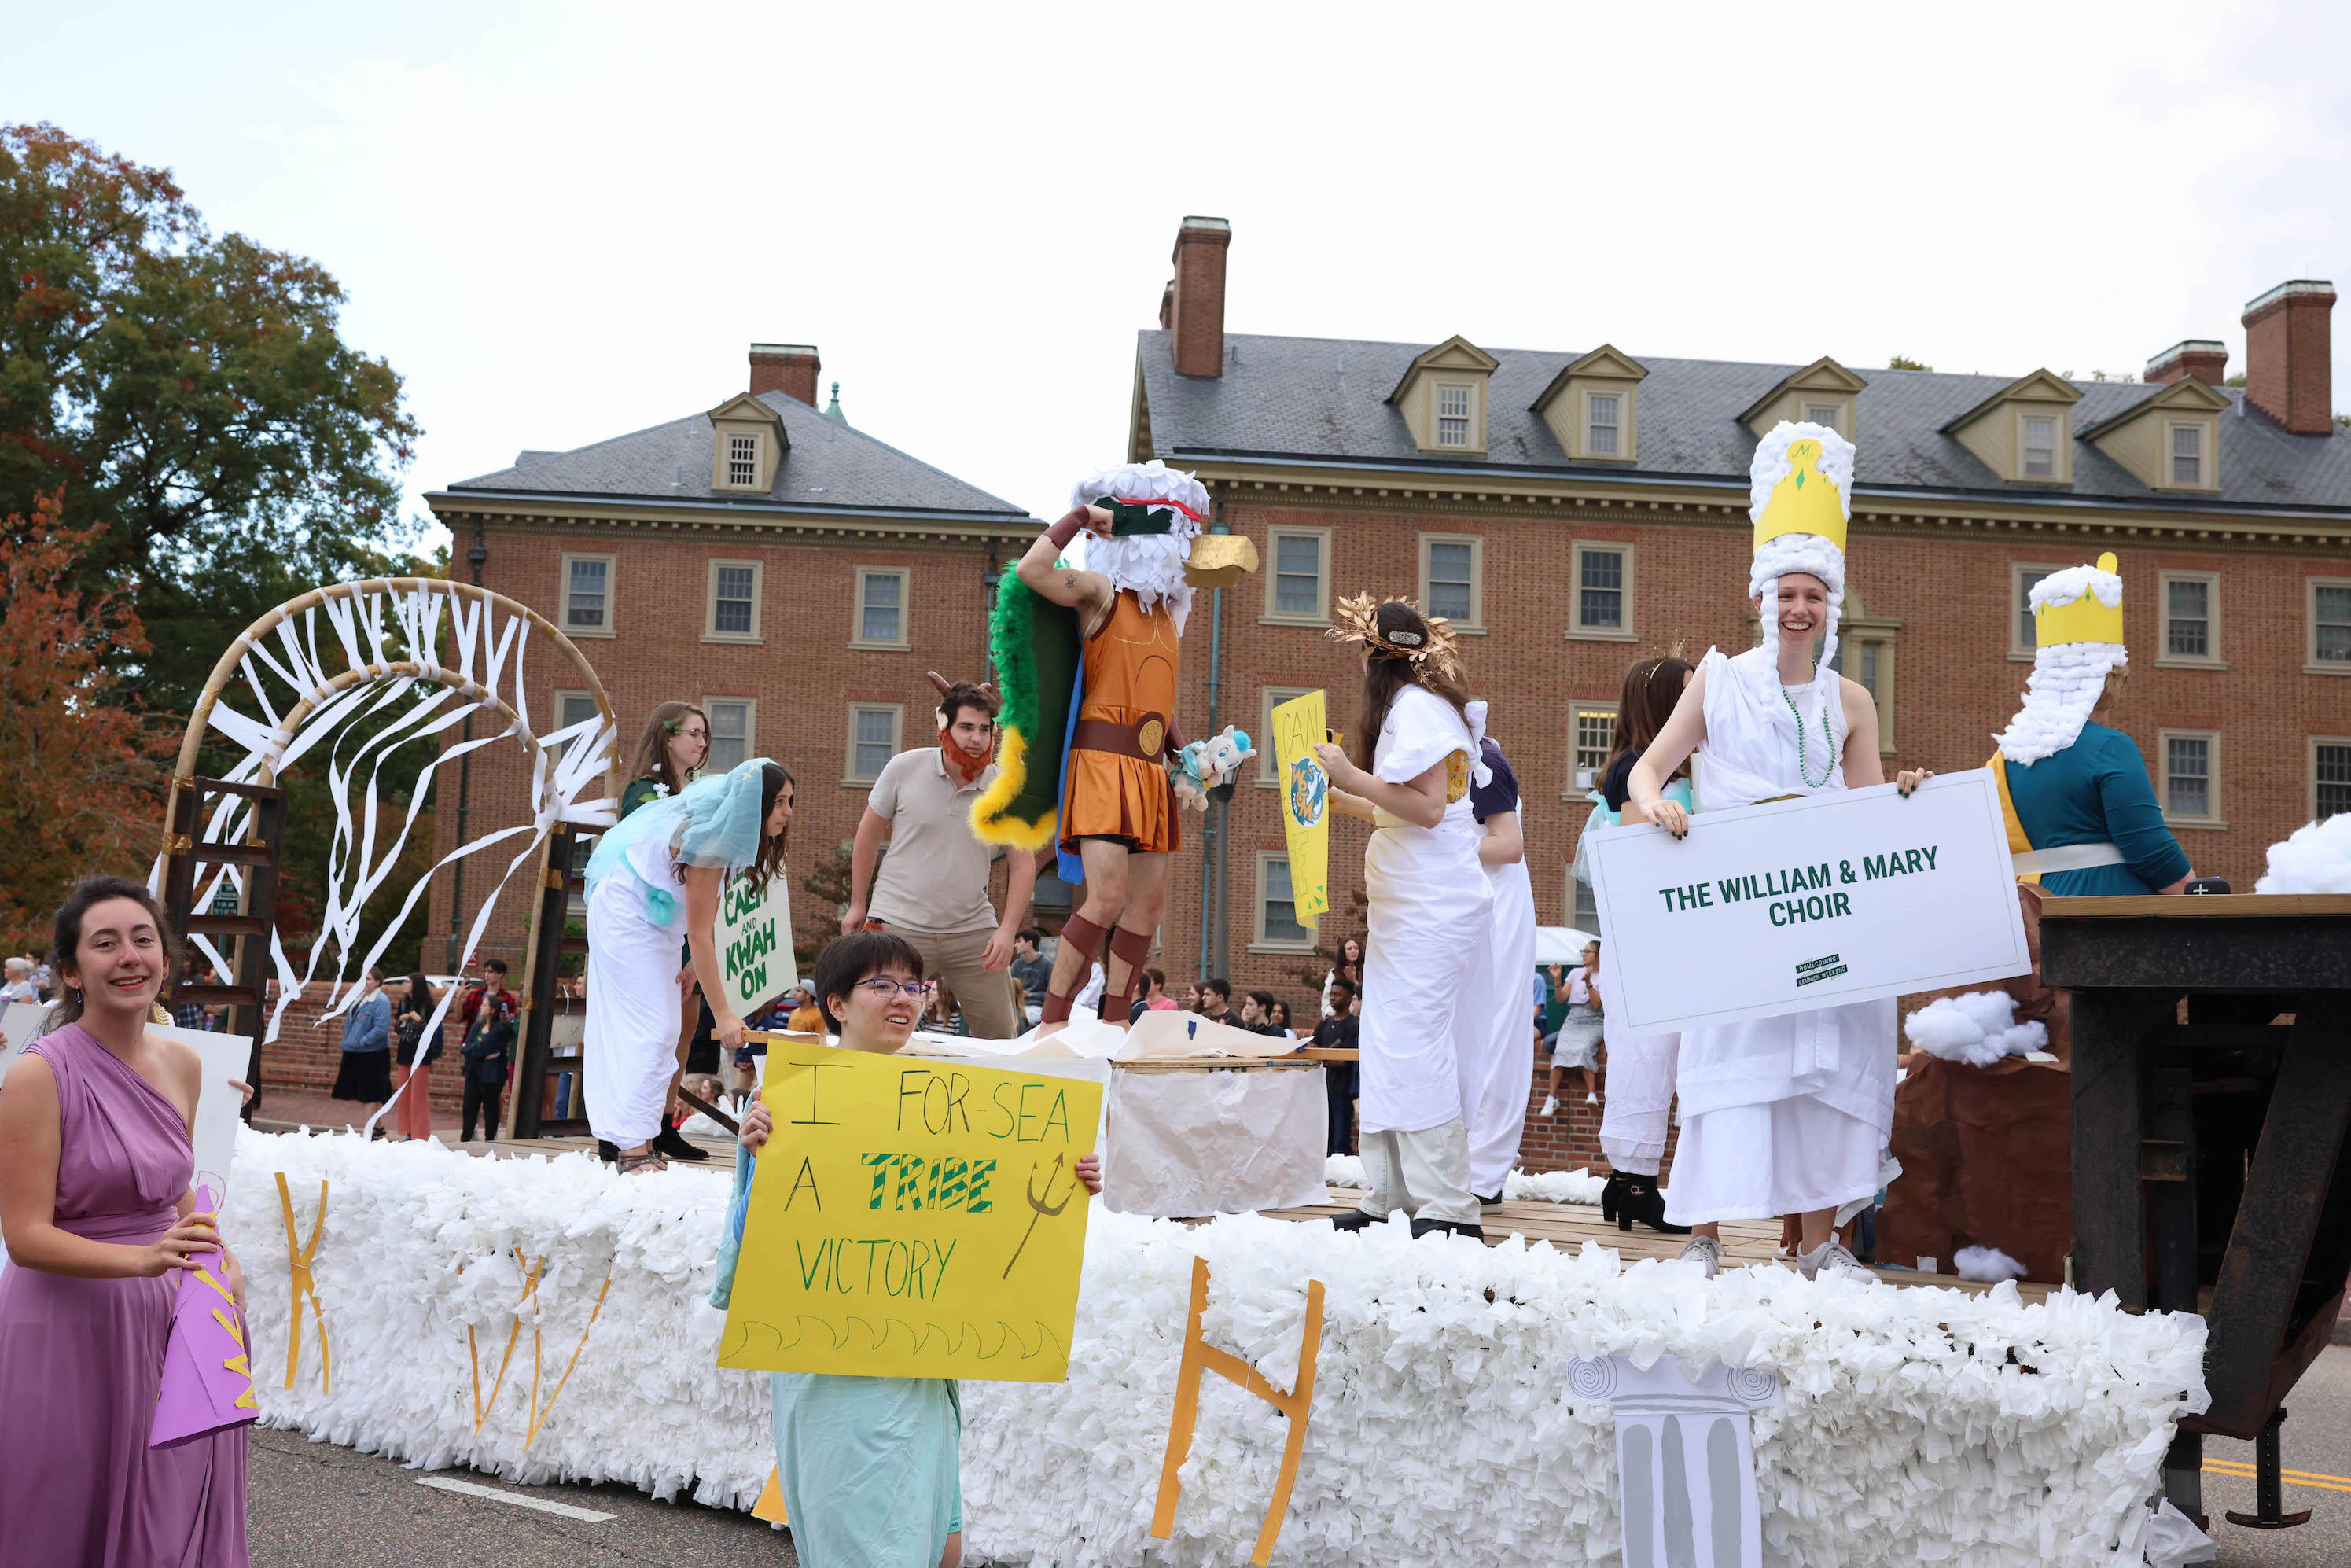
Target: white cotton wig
point(2068, 678)
point(1809, 553)
point(1149, 565)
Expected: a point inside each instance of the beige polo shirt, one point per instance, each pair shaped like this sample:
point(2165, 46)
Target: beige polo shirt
point(935, 878)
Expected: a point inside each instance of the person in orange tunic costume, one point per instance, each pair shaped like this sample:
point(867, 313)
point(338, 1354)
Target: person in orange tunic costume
point(1119, 807)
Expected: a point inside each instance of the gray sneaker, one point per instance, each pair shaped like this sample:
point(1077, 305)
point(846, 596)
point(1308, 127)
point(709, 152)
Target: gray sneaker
point(1706, 1253)
point(1834, 1261)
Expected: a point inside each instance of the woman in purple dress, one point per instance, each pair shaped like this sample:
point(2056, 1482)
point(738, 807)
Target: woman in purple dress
point(95, 1160)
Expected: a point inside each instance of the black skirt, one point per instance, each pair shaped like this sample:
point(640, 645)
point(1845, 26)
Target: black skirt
point(364, 1076)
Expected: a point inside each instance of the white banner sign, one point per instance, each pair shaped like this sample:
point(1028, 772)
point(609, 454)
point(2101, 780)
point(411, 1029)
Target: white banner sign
point(1810, 903)
point(755, 943)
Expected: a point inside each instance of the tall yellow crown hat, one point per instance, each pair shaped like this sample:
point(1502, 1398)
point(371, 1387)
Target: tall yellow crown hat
point(2083, 604)
point(1802, 498)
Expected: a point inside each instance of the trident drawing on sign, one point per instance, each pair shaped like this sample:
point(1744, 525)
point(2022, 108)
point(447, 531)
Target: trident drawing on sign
point(1037, 1202)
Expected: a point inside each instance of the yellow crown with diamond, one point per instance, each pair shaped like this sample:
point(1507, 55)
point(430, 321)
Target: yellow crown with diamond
point(1804, 501)
point(2084, 620)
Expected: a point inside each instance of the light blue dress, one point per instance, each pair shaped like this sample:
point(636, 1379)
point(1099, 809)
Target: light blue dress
point(870, 1467)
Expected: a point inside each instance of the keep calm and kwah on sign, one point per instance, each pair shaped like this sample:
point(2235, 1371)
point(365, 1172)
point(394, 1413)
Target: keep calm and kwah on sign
point(1809, 902)
point(755, 943)
point(912, 1218)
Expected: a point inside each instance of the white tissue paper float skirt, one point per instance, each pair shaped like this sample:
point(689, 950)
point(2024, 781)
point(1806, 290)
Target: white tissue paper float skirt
point(2022, 1434)
point(633, 1013)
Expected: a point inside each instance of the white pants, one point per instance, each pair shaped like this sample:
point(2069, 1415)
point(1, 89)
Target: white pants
point(1426, 1173)
point(1494, 1033)
point(1633, 1125)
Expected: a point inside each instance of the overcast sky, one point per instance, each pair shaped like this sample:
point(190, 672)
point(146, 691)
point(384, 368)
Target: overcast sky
point(563, 222)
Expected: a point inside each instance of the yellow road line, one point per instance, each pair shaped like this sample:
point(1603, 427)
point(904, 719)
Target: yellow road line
point(2236, 1472)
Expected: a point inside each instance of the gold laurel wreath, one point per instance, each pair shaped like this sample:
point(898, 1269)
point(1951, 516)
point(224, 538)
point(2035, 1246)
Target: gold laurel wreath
point(1358, 621)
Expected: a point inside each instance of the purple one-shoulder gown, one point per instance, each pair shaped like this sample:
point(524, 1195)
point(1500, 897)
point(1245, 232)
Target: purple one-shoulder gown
point(81, 1360)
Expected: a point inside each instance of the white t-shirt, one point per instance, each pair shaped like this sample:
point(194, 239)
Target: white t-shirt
point(1579, 987)
point(1421, 730)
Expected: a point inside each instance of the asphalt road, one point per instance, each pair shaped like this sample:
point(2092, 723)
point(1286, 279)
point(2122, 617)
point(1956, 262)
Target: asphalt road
point(2316, 1440)
point(309, 1504)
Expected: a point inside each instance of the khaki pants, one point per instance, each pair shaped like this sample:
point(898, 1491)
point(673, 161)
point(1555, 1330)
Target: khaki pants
point(953, 957)
point(1426, 1173)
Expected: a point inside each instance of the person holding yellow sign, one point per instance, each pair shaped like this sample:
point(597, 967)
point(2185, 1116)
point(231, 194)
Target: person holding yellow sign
point(870, 1466)
point(1785, 1115)
point(1430, 907)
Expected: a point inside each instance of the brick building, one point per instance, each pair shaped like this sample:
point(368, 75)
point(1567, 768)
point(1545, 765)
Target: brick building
point(792, 575)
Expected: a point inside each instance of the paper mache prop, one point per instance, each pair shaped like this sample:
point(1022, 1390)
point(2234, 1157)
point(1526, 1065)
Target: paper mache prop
point(1209, 767)
point(1154, 550)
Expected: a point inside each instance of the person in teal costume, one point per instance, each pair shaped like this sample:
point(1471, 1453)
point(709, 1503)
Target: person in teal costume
point(2097, 792)
point(870, 1466)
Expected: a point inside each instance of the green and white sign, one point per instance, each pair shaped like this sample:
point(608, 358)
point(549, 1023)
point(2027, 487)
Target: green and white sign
point(755, 943)
point(1810, 902)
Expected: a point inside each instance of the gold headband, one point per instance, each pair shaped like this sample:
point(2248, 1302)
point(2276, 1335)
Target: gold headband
point(1358, 621)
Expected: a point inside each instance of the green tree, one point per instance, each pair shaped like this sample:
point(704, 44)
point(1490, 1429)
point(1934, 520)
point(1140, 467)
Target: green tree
point(1902, 362)
point(191, 394)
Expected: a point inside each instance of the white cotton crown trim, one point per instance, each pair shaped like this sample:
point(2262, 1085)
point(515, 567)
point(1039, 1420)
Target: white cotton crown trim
point(1153, 481)
point(2068, 587)
point(2066, 682)
point(1149, 565)
point(1800, 552)
point(1771, 463)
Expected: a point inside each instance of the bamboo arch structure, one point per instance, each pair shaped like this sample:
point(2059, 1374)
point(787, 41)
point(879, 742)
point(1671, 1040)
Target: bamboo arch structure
point(454, 653)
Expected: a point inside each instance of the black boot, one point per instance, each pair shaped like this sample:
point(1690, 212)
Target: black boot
point(1612, 1196)
point(1644, 1202)
point(672, 1142)
point(604, 1151)
point(1356, 1219)
point(1421, 1227)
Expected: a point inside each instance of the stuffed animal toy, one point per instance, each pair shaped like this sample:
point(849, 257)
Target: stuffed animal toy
point(1211, 767)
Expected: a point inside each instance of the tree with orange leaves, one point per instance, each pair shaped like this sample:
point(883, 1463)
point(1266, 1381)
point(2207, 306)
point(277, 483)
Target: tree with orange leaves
point(81, 775)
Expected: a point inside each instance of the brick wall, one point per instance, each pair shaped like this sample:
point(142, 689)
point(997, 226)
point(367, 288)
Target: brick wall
point(308, 1051)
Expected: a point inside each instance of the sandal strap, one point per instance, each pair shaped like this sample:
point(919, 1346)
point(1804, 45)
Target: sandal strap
point(632, 1164)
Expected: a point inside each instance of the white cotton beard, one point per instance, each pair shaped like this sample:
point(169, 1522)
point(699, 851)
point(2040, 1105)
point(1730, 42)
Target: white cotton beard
point(2066, 682)
point(1149, 565)
point(1810, 554)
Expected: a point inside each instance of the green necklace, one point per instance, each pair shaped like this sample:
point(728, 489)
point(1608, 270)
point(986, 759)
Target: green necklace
point(1803, 772)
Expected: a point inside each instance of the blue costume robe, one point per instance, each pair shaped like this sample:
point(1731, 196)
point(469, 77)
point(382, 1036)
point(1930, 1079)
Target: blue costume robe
point(2097, 791)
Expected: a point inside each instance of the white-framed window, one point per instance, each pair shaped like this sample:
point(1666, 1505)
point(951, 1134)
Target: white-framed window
point(743, 461)
point(734, 596)
point(1603, 416)
point(2187, 455)
point(873, 731)
point(1583, 905)
point(2040, 446)
point(2330, 626)
point(2330, 775)
point(2191, 777)
point(1824, 414)
point(2191, 618)
point(732, 729)
point(1298, 585)
point(1592, 730)
point(881, 608)
point(1601, 602)
point(588, 595)
point(1453, 579)
point(1865, 656)
point(1278, 927)
point(1453, 414)
point(1268, 772)
point(2022, 579)
point(573, 707)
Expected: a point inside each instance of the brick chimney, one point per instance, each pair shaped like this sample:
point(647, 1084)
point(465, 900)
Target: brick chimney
point(2201, 357)
point(788, 367)
point(1195, 311)
point(2287, 355)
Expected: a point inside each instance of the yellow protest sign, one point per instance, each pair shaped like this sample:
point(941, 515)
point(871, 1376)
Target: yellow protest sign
point(912, 1218)
point(1297, 728)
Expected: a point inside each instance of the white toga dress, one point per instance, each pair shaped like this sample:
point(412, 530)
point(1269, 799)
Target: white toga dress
point(1787, 1114)
point(633, 1010)
point(1428, 925)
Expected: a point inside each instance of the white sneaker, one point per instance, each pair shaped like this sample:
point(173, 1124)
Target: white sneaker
point(1706, 1253)
point(1550, 1106)
point(1834, 1261)
point(1591, 1099)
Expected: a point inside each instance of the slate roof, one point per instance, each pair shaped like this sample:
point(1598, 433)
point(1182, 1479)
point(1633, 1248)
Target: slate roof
point(1324, 399)
point(830, 468)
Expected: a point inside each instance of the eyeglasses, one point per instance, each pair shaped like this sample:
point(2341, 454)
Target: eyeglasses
point(884, 987)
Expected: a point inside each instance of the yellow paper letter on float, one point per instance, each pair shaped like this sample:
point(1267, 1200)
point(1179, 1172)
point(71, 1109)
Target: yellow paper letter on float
point(1298, 726)
point(912, 1218)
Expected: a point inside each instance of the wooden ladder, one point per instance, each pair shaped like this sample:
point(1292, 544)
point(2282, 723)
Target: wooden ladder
point(249, 928)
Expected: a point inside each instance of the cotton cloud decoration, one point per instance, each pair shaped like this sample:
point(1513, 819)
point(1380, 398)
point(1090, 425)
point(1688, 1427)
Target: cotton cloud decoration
point(1977, 1029)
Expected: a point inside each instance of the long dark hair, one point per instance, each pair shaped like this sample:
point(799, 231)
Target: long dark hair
point(773, 778)
point(1652, 686)
point(1387, 673)
point(651, 759)
point(65, 935)
point(420, 996)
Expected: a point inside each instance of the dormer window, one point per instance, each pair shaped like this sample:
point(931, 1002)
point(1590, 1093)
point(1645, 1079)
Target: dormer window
point(1601, 430)
point(1821, 394)
point(742, 461)
point(2040, 446)
point(1452, 415)
point(1821, 414)
point(748, 445)
point(2187, 455)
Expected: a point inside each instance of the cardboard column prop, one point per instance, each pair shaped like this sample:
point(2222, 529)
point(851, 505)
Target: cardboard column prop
point(1685, 1458)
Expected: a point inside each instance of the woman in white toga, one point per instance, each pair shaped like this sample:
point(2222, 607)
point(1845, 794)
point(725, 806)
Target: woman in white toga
point(1785, 1115)
point(1429, 913)
point(654, 879)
